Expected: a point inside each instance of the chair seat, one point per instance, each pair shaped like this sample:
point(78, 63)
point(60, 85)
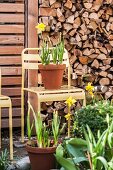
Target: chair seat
point(57, 95)
point(5, 101)
point(2, 97)
point(63, 89)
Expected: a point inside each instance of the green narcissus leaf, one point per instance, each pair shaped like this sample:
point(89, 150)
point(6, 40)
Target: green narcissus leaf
point(103, 161)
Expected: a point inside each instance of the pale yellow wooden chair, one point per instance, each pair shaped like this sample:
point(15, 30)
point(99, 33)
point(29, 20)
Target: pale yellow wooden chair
point(30, 62)
point(5, 102)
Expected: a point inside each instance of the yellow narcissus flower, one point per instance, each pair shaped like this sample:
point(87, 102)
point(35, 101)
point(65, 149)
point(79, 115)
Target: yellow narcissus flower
point(70, 101)
point(91, 93)
point(67, 116)
point(89, 87)
point(40, 27)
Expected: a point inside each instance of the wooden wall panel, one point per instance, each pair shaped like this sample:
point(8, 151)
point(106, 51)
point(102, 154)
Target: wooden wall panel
point(10, 60)
point(16, 112)
point(12, 42)
point(11, 39)
point(7, 7)
point(12, 29)
point(12, 18)
point(11, 49)
point(11, 80)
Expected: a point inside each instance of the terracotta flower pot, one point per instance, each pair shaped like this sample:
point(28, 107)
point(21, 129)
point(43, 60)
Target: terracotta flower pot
point(41, 158)
point(52, 75)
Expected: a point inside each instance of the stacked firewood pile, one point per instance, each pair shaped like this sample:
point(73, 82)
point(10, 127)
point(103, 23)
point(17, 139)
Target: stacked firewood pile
point(87, 28)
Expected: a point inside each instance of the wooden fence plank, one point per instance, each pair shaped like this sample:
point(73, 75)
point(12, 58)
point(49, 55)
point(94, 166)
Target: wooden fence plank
point(10, 60)
point(11, 81)
point(12, 18)
point(11, 91)
point(16, 112)
point(12, 42)
point(12, 29)
point(16, 122)
point(10, 1)
point(11, 49)
point(11, 39)
point(16, 101)
point(11, 71)
point(11, 7)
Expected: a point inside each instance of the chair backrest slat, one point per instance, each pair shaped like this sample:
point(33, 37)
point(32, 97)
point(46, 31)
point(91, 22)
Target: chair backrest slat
point(0, 81)
point(31, 57)
point(30, 66)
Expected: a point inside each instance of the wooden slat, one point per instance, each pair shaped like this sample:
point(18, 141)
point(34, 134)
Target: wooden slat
point(16, 101)
point(11, 91)
point(11, 80)
point(12, 18)
point(11, 7)
point(16, 112)
point(11, 49)
point(31, 66)
point(11, 29)
point(10, 60)
point(16, 122)
point(11, 71)
point(11, 39)
point(10, 1)
point(31, 57)
point(19, 0)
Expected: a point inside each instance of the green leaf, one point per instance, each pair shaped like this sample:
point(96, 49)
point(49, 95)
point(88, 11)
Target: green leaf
point(75, 151)
point(59, 150)
point(110, 140)
point(78, 142)
point(103, 161)
point(66, 163)
point(79, 159)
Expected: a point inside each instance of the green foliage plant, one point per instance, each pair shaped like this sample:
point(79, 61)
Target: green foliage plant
point(56, 53)
point(94, 115)
point(4, 160)
point(55, 127)
point(100, 148)
point(93, 153)
point(45, 53)
point(71, 154)
point(42, 132)
point(60, 51)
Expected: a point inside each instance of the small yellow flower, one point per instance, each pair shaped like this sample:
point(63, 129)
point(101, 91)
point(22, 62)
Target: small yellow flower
point(70, 101)
point(67, 116)
point(40, 27)
point(89, 87)
point(91, 93)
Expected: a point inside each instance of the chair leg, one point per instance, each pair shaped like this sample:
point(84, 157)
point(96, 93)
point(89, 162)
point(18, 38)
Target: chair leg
point(0, 127)
point(22, 116)
point(10, 132)
point(84, 101)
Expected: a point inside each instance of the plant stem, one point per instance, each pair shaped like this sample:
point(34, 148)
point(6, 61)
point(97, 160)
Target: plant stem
point(89, 158)
point(69, 122)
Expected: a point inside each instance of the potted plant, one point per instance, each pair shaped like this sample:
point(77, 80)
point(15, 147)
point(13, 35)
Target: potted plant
point(52, 73)
point(41, 151)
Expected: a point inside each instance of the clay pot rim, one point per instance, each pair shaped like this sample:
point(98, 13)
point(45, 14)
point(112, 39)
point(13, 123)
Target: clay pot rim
point(40, 150)
point(51, 66)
